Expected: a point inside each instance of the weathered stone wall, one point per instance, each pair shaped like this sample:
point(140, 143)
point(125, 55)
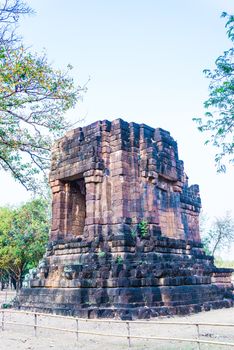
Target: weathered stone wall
point(131, 173)
point(125, 236)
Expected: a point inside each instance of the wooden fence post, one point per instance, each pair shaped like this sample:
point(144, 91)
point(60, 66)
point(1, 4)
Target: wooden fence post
point(3, 320)
point(35, 325)
point(77, 329)
point(129, 335)
point(198, 337)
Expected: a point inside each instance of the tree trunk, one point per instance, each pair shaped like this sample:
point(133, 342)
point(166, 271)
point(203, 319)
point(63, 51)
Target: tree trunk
point(13, 281)
point(18, 283)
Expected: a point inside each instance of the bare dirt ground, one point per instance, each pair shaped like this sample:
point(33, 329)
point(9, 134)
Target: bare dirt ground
point(22, 338)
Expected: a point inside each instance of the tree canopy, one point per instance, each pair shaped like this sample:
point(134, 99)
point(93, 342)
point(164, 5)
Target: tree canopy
point(23, 238)
point(34, 98)
point(219, 236)
point(218, 121)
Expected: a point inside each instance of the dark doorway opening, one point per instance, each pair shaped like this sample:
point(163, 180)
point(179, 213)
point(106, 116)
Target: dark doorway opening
point(76, 207)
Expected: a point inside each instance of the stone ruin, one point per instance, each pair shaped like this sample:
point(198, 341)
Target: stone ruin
point(125, 237)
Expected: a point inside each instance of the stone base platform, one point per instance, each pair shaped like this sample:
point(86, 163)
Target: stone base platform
point(186, 300)
point(129, 278)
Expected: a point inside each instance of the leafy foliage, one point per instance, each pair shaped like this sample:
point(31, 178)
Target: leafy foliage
point(10, 12)
point(23, 237)
point(144, 228)
point(101, 254)
point(220, 235)
point(219, 118)
point(119, 260)
point(219, 262)
point(33, 100)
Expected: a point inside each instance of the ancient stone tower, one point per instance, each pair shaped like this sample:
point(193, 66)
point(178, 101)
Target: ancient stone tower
point(124, 239)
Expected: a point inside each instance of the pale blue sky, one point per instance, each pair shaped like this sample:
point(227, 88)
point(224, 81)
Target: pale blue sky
point(145, 60)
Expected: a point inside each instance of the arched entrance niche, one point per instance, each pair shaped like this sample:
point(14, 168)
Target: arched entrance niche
point(75, 207)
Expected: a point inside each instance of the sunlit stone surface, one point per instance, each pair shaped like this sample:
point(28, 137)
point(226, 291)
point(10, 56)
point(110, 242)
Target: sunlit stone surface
point(125, 229)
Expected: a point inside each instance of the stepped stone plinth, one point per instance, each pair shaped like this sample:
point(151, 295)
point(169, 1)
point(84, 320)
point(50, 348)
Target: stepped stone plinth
point(125, 230)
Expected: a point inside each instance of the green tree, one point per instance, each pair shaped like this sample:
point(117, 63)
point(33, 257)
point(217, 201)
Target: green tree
point(219, 262)
point(10, 13)
point(218, 121)
point(220, 235)
point(34, 98)
point(23, 238)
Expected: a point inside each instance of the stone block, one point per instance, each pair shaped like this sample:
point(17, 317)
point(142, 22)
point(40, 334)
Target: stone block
point(125, 236)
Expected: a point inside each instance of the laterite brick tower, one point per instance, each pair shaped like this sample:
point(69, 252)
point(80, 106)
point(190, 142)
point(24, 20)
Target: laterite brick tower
point(125, 238)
